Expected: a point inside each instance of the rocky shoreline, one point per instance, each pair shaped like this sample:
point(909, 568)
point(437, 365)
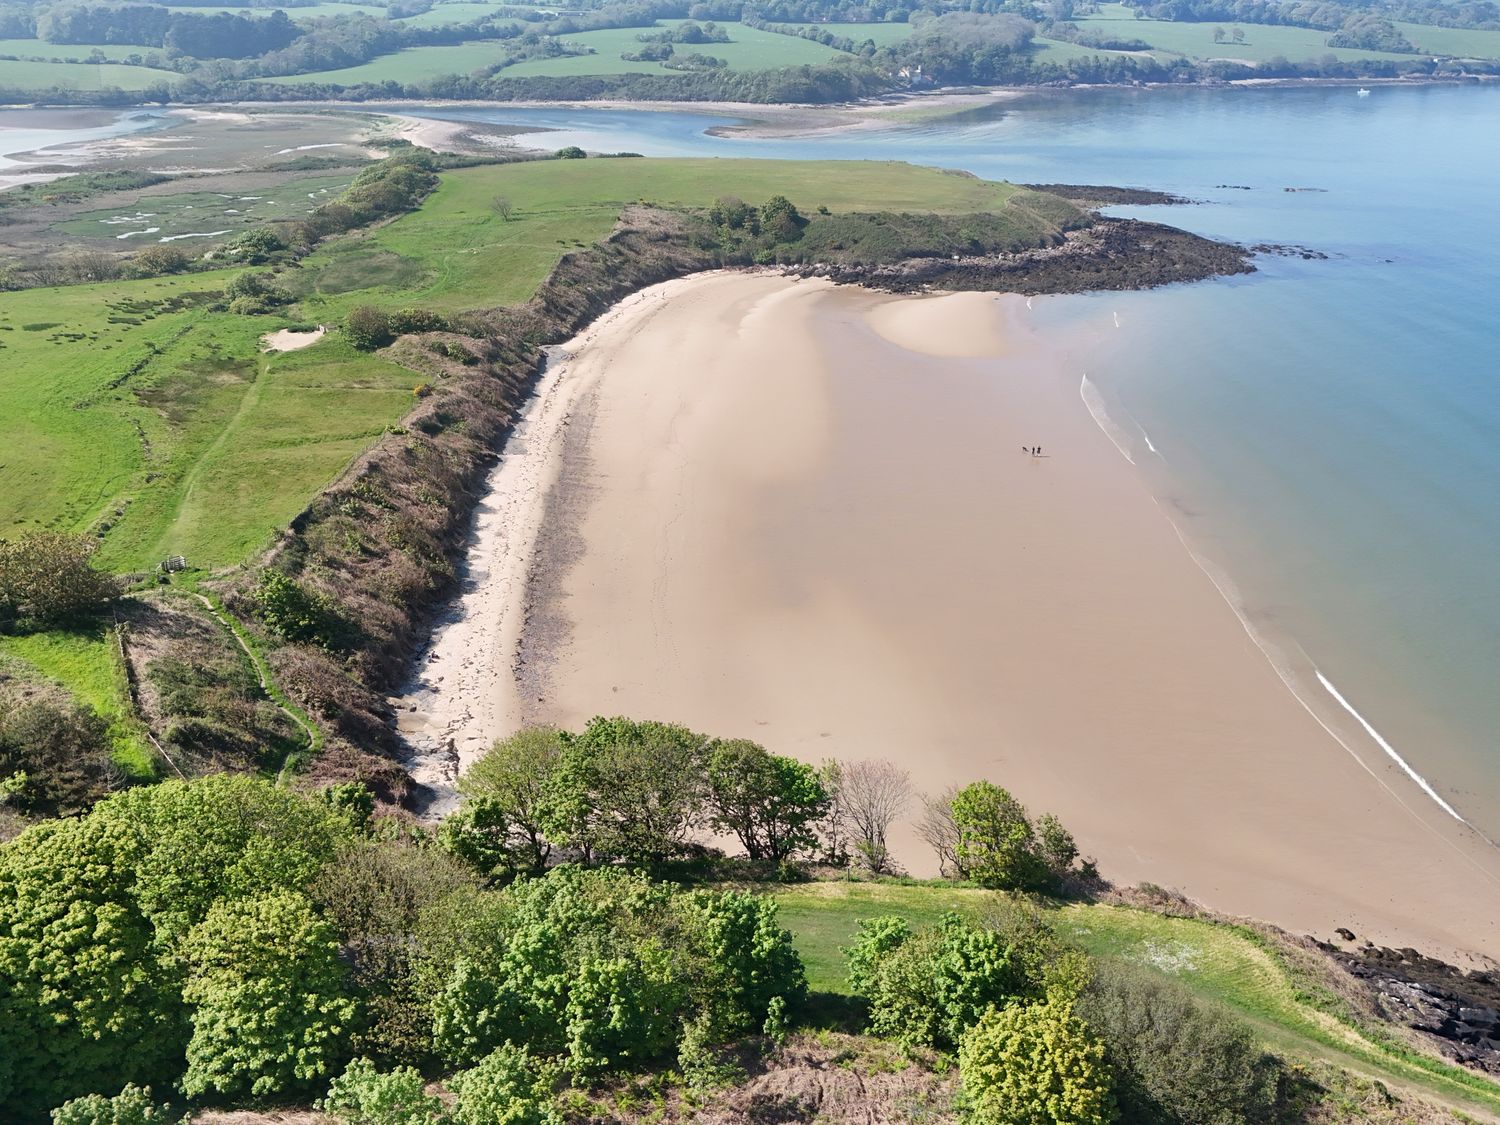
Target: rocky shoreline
point(1110, 254)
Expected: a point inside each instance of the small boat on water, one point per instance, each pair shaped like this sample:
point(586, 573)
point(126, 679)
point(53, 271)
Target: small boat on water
point(1363, 92)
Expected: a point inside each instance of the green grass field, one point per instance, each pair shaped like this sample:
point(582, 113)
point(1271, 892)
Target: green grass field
point(750, 50)
point(87, 663)
point(1456, 41)
point(1262, 42)
point(181, 216)
point(80, 76)
point(414, 64)
point(459, 11)
point(164, 419)
point(40, 49)
point(1220, 963)
point(456, 253)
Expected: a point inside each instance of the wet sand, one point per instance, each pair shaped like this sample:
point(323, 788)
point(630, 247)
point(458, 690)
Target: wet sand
point(803, 515)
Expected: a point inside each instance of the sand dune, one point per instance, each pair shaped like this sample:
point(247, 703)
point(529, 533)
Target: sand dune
point(803, 515)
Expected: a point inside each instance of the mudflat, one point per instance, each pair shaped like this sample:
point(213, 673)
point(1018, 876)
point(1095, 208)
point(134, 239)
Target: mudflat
point(808, 515)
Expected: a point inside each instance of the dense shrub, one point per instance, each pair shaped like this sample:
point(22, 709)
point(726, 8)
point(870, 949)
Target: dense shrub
point(1035, 1064)
point(925, 987)
point(131, 1106)
point(499, 830)
point(296, 613)
point(603, 969)
point(362, 1095)
point(770, 803)
point(367, 328)
point(54, 755)
point(1178, 1059)
point(508, 1087)
point(46, 578)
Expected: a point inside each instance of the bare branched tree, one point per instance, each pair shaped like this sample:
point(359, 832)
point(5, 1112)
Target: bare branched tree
point(503, 207)
point(939, 832)
point(875, 794)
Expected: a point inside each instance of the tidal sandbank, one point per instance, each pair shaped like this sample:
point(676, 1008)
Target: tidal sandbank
point(804, 514)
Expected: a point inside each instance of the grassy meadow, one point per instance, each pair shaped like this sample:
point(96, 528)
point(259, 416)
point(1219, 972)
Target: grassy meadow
point(1262, 41)
point(1287, 1006)
point(23, 75)
point(750, 50)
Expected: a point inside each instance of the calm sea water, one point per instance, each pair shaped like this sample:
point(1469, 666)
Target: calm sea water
point(1326, 432)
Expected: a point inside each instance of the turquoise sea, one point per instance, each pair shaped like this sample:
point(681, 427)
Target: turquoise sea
point(1326, 432)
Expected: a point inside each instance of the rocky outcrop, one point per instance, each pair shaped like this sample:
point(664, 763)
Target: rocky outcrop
point(1459, 1010)
point(1111, 254)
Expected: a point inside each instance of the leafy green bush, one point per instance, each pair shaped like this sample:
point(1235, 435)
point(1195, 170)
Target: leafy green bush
point(1035, 1064)
point(367, 328)
point(627, 789)
point(131, 1106)
point(362, 1095)
point(998, 846)
point(603, 969)
point(1176, 1058)
point(296, 613)
point(54, 755)
point(508, 1087)
point(500, 828)
point(95, 911)
point(46, 579)
point(925, 987)
point(270, 1014)
point(570, 152)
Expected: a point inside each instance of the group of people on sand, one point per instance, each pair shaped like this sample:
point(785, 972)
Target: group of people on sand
point(1034, 450)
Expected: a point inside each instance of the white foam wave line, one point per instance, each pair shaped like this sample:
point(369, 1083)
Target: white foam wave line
point(1390, 750)
point(1117, 320)
point(1286, 677)
point(1028, 303)
point(1149, 446)
point(1095, 406)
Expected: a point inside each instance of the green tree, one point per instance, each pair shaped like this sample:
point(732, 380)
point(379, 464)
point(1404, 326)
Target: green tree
point(386, 898)
point(363, 1095)
point(748, 969)
point(367, 328)
point(997, 844)
point(512, 778)
point(1055, 845)
point(270, 1012)
point(1175, 1057)
point(47, 578)
point(55, 756)
point(1035, 1064)
point(627, 789)
point(779, 219)
point(924, 988)
point(84, 1002)
point(769, 802)
point(570, 152)
point(131, 1106)
point(508, 1087)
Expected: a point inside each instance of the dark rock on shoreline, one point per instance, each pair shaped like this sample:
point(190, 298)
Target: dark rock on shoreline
point(1461, 1010)
point(1112, 254)
point(1100, 195)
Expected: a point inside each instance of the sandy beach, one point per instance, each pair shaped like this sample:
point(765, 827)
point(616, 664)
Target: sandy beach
point(802, 514)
